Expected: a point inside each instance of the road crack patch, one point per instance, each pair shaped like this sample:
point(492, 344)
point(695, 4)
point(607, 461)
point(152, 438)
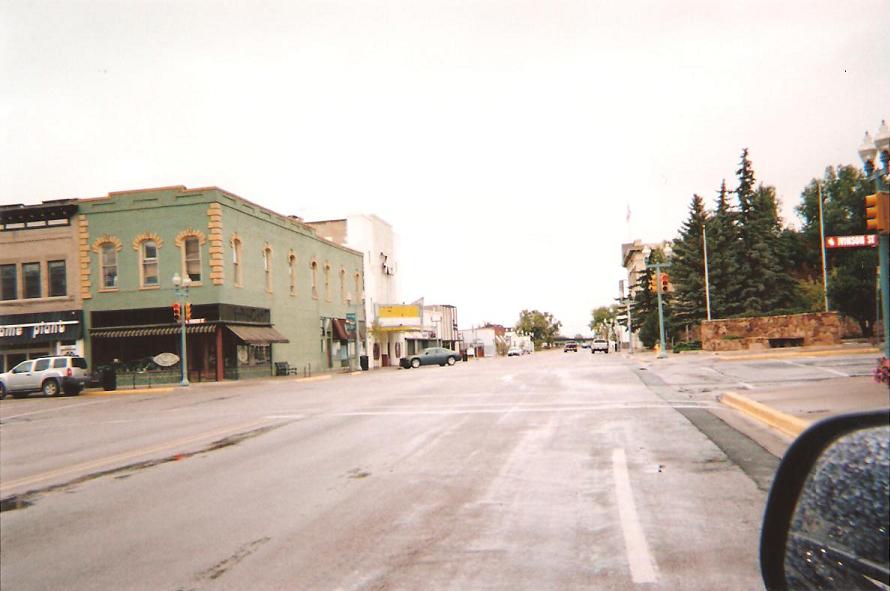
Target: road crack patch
point(223, 566)
point(26, 499)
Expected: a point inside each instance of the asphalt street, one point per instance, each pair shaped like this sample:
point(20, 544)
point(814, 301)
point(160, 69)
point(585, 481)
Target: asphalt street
point(548, 471)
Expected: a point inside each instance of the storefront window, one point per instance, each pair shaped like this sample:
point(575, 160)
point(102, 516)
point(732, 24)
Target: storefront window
point(9, 282)
point(31, 279)
point(254, 355)
point(58, 281)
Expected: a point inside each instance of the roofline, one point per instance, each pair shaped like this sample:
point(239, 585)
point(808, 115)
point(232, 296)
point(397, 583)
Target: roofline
point(184, 189)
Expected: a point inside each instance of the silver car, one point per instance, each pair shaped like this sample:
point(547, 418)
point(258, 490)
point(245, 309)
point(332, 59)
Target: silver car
point(431, 356)
point(54, 376)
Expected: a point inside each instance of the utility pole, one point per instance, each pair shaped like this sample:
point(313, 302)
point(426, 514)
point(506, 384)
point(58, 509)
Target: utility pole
point(704, 243)
point(822, 244)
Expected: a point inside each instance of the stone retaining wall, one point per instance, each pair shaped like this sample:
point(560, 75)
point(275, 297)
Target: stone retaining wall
point(764, 332)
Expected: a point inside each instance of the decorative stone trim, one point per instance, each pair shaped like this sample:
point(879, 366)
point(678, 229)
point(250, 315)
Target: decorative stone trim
point(139, 239)
point(188, 233)
point(83, 253)
point(107, 239)
point(217, 261)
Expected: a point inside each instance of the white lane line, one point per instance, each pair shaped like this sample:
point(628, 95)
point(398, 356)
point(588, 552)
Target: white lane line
point(37, 412)
point(746, 385)
point(642, 565)
point(507, 378)
point(826, 369)
point(511, 409)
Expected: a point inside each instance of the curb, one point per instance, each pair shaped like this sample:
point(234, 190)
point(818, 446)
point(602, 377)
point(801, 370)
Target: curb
point(787, 424)
point(127, 391)
point(785, 354)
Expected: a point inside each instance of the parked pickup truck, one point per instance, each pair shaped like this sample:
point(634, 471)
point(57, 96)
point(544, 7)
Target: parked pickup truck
point(599, 345)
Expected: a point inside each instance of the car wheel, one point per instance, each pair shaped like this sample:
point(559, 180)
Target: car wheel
point(2, 391)
point(415, 363)
point(452, 360)
point(51, 388)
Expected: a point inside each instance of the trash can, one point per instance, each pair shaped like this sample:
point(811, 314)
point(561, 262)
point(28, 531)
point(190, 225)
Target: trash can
point(109, 378)
point(363, 362)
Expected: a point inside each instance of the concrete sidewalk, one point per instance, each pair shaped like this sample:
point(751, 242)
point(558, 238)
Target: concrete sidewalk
point(791, 410)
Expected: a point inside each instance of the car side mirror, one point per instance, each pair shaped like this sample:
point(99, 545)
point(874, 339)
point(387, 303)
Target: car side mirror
point(827, 519)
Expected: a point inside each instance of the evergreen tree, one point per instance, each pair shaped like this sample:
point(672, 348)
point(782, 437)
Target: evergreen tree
point(851, 272)
point(687, 268)
point(758, 229)
point(724, 258)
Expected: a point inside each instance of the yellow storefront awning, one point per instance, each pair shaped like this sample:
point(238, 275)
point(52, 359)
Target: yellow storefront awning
point(398, 328)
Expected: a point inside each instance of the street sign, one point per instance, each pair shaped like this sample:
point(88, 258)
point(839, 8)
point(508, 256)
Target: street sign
point(856, 241)
point(350, 322)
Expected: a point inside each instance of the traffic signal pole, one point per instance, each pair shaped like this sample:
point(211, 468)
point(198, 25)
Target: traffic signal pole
point(658, 289)
point(884, 258)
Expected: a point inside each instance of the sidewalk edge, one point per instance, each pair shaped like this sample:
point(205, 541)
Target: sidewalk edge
point(787, 424)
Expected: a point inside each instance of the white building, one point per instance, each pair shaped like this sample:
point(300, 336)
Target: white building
point(375, 238)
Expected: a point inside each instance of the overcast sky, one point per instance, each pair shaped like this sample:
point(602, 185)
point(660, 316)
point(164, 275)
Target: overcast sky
point(503, 140)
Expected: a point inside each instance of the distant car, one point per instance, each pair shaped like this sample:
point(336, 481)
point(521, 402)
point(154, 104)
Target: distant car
point(599, 345)
point(514, 352)
point(570, 346)
point(585, 345)
point(431, 356)
point(54, 376)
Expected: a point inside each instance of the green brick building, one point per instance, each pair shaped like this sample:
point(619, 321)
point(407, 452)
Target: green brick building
point(265, 289)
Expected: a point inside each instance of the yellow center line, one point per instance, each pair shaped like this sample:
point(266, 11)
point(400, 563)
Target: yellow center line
point(30, 480)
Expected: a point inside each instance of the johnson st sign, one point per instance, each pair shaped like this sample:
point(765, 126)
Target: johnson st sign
point(860, 241)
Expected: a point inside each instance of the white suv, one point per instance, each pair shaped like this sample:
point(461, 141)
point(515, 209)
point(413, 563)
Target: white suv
point(54, 376)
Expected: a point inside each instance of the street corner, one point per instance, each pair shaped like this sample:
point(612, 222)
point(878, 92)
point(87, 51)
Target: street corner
point(788, 424)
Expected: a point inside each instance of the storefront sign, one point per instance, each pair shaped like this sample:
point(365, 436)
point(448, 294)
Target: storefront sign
point(166, 359)
point(41, 328)
point(403, 317)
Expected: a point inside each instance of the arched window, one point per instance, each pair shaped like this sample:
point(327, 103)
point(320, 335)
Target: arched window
point(343, 294)
point(236, 261)
point(313, 269)
point(108, 265)
point(358, 287)
point(267, 266)
point(191, 258)
point(148, 264)
point(327, 282)
point(292, 269)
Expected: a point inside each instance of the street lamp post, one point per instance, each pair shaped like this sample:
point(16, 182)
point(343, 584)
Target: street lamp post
point(181, 288)
point(657, 266)
point(881, 179)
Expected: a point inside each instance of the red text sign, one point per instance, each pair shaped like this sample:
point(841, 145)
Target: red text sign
point(860, 241)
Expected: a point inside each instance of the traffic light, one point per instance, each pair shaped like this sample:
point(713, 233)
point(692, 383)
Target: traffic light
point(176, 312)
point(877, 212)
point(653, 284)
point(188, 311)
point(665, 282)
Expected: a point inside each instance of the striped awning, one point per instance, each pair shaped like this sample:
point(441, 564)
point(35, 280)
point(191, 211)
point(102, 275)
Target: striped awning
point(122, 333)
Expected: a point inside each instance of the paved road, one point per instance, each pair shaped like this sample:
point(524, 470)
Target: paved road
point(550, 471)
